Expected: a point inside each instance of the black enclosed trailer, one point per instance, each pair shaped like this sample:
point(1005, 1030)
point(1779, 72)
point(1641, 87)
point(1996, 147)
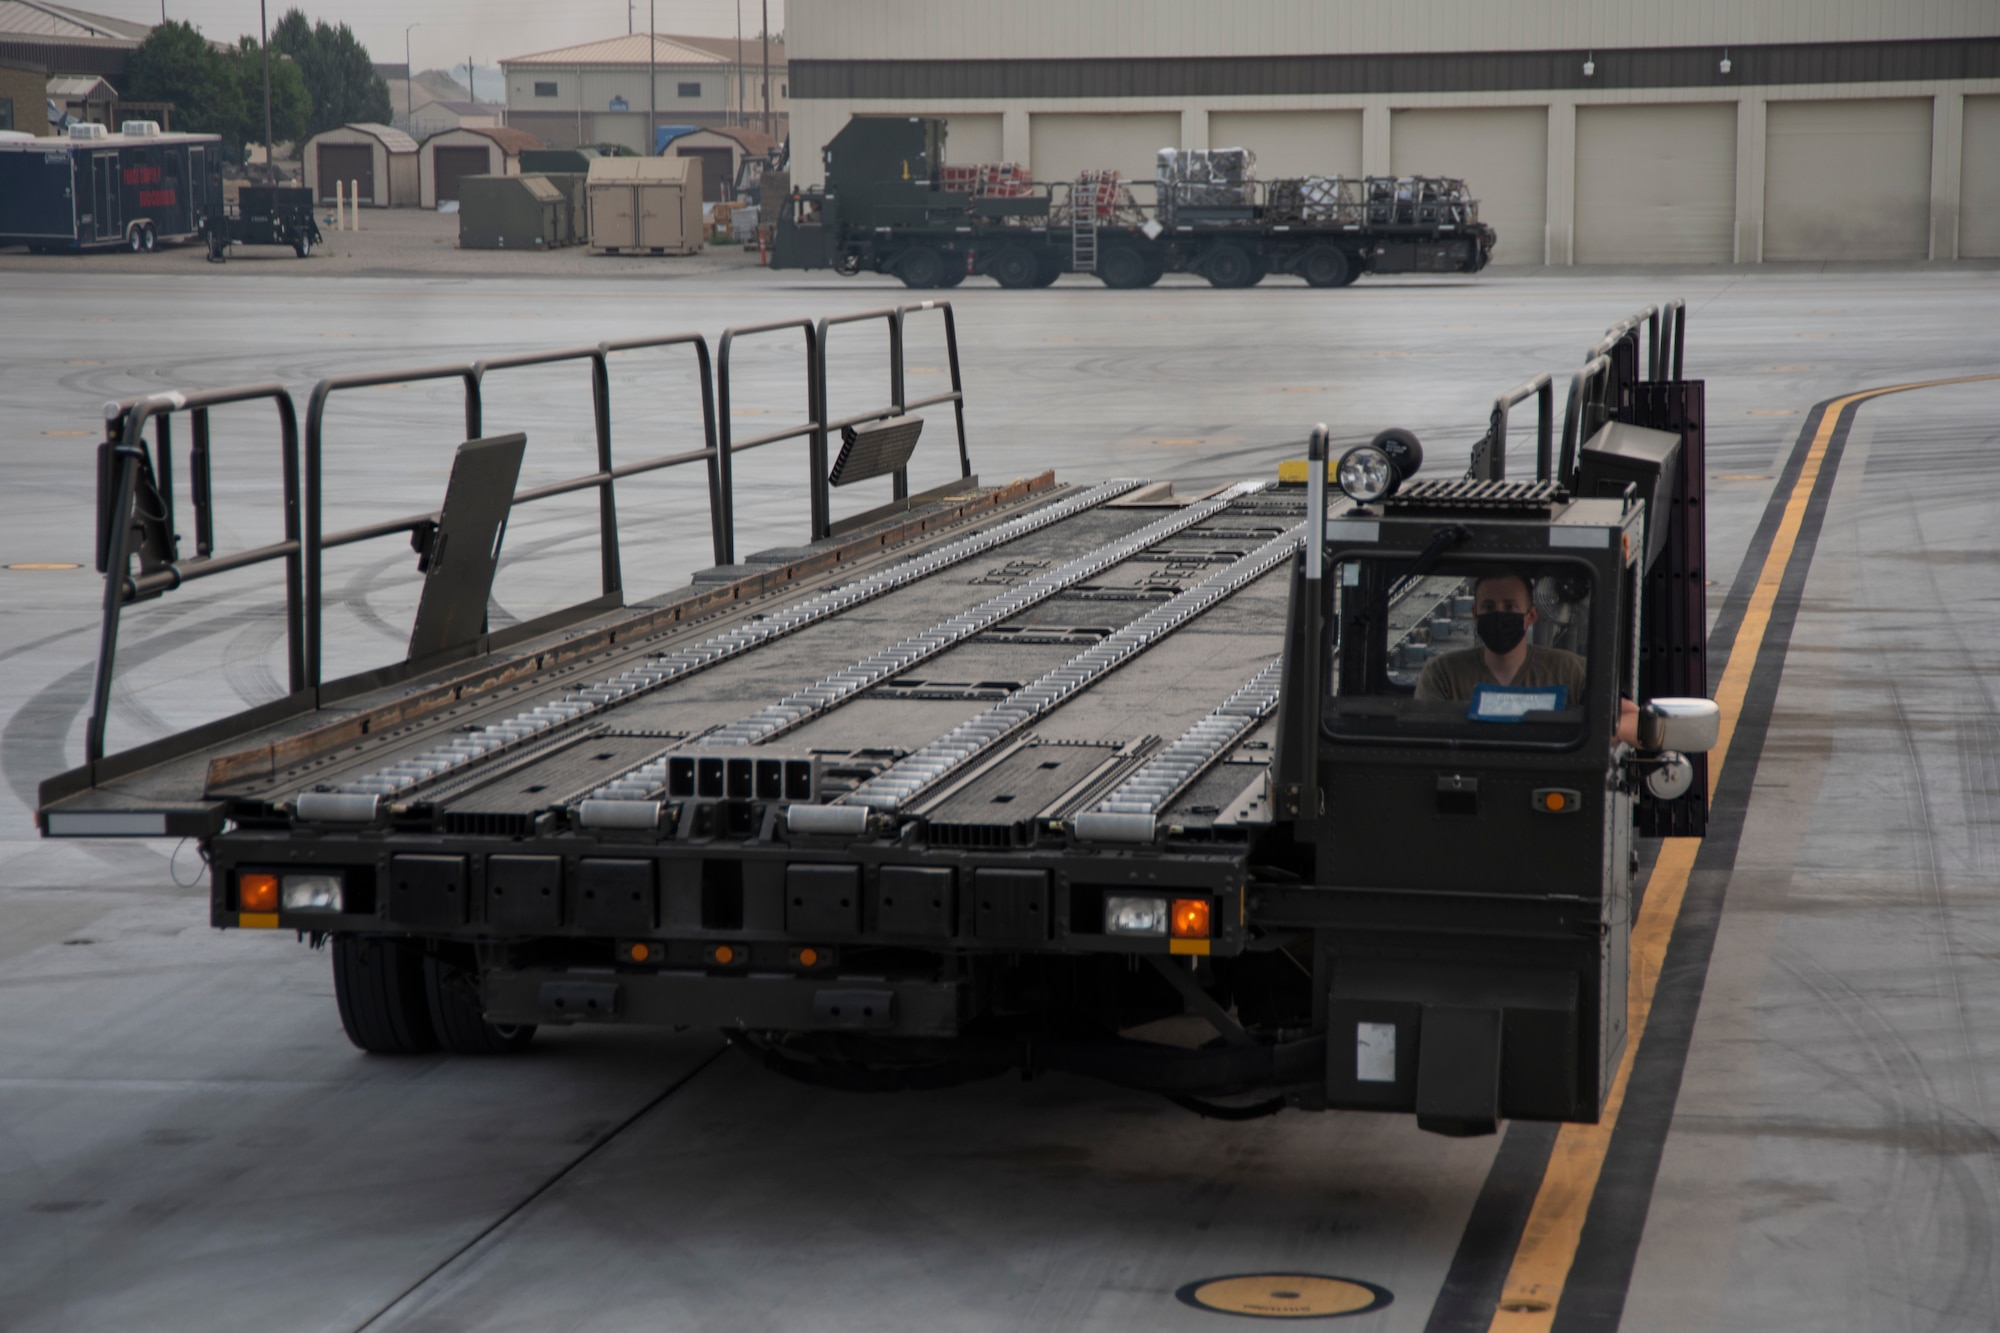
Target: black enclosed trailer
point(265, 215)
point(92, 189)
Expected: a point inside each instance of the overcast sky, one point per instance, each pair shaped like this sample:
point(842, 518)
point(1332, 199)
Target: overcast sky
point(449, 30)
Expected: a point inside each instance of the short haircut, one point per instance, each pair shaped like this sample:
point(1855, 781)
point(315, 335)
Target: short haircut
point(1526, 577)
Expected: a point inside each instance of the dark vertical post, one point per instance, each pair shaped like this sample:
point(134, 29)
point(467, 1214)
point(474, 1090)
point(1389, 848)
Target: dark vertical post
point(121, 433)
point(723, 504)
point(816, 442)
point(270, 153)
point(607, 507)
point(957, 387)
point(163, 476)
point(295, 629)
point(900, 483)
point(200, 494)
point(767, 66)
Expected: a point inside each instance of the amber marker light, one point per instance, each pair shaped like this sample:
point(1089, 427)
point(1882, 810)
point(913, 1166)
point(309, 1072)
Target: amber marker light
point(808, 957)
point(1190, 918)
point(257, 892)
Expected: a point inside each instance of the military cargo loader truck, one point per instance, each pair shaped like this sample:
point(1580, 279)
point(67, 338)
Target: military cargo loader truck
point(891, 204)
point(1320, 791)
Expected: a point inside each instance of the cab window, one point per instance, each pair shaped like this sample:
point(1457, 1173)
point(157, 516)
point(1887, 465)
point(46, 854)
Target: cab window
point(1463, 652)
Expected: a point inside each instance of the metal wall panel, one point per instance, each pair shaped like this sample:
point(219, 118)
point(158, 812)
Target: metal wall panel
point(1979, 181)
point(1063, 144)
point(972, 138)
point(1503, 155)
point(1848, 179)
point(1656, 184)
point(1054, 29)
point(1292, 143)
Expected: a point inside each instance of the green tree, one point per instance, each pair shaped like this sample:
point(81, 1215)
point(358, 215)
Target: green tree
point(291, 104)
point(177, 64)
point(339, 78)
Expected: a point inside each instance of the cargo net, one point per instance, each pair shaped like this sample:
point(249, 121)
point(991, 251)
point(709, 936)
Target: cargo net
point(1097, 195)
point(1371, 201)
point(988, 180)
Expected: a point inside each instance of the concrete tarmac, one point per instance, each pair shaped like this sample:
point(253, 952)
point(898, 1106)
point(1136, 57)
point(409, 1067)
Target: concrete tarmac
point(187, 1141)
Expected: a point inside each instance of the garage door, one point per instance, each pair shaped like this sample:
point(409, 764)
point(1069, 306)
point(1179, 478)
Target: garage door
point(1656, 184)
point(969, 140)
point(1848, 180)
point(451, 163)
point(346, 162)
point(718, 172)
point(1502, 154)
point(1979, 181)
point(1292, 143)
point(1062, 146)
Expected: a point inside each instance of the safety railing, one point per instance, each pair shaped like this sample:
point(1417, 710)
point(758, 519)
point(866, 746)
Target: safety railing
point(900, 403)
point(813, 430)
point(1541, 388)
point(124, 468)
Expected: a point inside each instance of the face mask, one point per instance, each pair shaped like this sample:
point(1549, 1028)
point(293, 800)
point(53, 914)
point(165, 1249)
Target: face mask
point(1502, 630)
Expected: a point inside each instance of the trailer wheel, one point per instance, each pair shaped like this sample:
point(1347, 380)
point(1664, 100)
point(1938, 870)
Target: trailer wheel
point(1326, 266)
point(952, 277)
point(218, 249)
point(379, 986)
point(458, 1017)
point(1015, 266)
point(135, 239)
point(147, 237)
point(302, 246)
point(1047, 271)
point(1230, 265)
point(920, 266)
point(1122, 267)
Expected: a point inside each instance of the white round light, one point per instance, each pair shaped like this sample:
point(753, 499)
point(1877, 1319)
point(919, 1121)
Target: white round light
point(1366, 474)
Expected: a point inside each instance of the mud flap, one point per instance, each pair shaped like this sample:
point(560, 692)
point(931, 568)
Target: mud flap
point(1458, 1072)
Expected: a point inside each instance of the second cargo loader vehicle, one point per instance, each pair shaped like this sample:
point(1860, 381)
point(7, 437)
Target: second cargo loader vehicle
point(891, 204)
point(1315, 792)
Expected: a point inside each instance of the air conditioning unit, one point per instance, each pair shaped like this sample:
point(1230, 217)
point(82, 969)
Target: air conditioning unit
point(140, 129)
point(88, 130)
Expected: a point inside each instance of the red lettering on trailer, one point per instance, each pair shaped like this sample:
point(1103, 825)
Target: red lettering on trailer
point(156, 198)
point(141, 175)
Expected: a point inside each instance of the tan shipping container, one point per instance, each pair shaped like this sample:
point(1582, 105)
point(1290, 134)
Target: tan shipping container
point(645, 204)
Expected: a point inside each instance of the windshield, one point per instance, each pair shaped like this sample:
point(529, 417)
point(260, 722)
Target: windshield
point(1467, 651)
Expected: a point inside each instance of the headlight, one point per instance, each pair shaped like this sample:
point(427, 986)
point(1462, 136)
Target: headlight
point(1366, 474)
point(1125, 915)
point(311, 893)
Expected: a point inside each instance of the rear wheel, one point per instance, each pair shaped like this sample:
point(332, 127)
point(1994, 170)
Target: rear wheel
point(379, 986)
point(302, 247)
point(1326, 266)
point(1015, 266)
point(920, 266)
point(1122, 268)
point(458, 1017)
point(1230, 265)
point(135, 240)
point(952, 277)
point(1047, 271)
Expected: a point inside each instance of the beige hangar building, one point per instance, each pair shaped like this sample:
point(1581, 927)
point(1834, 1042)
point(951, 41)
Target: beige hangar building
point(1704, 131)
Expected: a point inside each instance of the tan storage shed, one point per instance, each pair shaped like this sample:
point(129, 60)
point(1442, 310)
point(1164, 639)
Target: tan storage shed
point(1656, 184)
point(1292, 143)
point(1062, 145)
point(1979, 180)
point(451, 155)
point(651, 205)
point(721, 152)
point(379, 159)
point(1848, 180)
point(1502, 153)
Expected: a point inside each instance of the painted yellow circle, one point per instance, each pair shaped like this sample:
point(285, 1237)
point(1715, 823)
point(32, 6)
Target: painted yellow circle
point(1283, 1296)
point(46, 565)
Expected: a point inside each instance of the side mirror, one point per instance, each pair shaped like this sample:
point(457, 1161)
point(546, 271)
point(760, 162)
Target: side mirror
point(1690, 726)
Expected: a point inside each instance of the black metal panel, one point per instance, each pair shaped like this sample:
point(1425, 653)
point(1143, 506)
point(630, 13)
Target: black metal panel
point(524, 892)
point(920, 901)
point(1011, 906)
point(823, 901)
point(428, 890)
point(614, 897)
point(1673, 637)
point(1433, 72)
point(462, 556)
point(874, 451)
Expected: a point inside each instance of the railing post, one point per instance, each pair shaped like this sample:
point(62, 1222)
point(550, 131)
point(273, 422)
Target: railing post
point(816, 442)
point(314, 529)
point(724, 504)
point(899, 482)
point(957, 387)
point(607, 505)
point(118, 559)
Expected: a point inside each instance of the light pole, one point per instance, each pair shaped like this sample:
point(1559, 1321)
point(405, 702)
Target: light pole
point(270, 153)
point(409, 84)
point(652, 83)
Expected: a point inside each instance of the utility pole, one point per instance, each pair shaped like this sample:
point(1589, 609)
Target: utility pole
point(652, 83)
point(270, 154)
point(409, 84)
point(471, 87)
point(767, 66)
point(739, 63)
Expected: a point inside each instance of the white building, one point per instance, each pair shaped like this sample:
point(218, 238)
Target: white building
point(597, 92)
point(1701, 131)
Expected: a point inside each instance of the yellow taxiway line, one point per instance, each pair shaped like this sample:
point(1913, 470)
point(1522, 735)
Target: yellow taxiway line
point(1549, 1242)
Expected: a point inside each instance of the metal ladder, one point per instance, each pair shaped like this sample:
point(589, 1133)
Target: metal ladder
point(1083, 226)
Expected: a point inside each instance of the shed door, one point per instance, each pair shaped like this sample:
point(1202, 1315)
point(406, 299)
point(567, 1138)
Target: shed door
point(718, 172)
point(1848, 180)
point(451, 163)
point(1656, 184)
point(346, 162)
point(1979, 183)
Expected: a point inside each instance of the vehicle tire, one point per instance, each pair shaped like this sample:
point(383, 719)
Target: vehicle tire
point(1122, 268)
point(1015, 266)
point(302, 247)
point(920, 266)
point(218, 249)
point(1230, 265)
point(1325, 266)
point(135, 239)
point(952, 277)
point(148, 238)
point(379, 986)
point(1047, 271)
point(458, 1017)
